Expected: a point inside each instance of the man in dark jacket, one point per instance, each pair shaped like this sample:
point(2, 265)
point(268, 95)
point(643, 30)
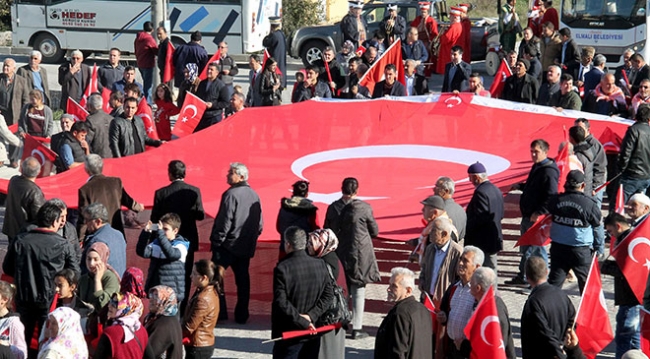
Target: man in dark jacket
point(566, 97)
point(74, 77)
point(185, 200)
point(642, 72)
point(352, 221)
point(406, 330)
point(541, 184)
point(627, 319)
point(227, 67)
point(163, 45)
point(393, 26)
point(570, 53)
point(146, 50)
point(484, 215)
point(24, 199)
point(312, 87)
point(552, 86)
point(111, 71)
point(547, 315)
point(334, 78)
point(635, 154)
point(276, 43)
point(574, 217)
point(192, 52)
point(74, 148)
point(215, 94)
point(390, 86)
point(521, 87)
point(606, 99)
point(302, 292)
point(32, 260)
point(236, 228)
point(127, 134)
point(353, 25)
point(457, 72)
point(99, 123)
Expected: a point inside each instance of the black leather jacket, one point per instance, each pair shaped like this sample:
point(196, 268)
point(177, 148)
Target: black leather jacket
point(635, 152)
point(121, 136)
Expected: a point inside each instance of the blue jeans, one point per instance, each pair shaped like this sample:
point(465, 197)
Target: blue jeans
point(632, 186)
point(627, 329)
point(529, 251)
point(147, 82)
point(599, 232)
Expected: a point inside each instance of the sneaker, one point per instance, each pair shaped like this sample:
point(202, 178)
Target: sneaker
point(516, 281)
point(359, 334)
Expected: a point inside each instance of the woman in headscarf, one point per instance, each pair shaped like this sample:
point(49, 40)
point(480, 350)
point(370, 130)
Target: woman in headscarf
point(124, 337)
point(133, 282)
point(190, 84)
point(165, 333)
point(102, 281)
point(322, 243)
point(62, 336)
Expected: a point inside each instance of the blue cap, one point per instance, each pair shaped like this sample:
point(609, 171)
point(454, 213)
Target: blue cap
point(476, 168)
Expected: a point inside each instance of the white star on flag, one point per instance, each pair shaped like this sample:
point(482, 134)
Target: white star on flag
point(149, 129)
point(647, 263)
point(185, 119)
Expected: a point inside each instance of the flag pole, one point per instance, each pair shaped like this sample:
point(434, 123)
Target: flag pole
point(602, 186)
point(582, 296)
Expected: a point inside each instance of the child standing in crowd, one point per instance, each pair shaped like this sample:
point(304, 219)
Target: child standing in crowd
point(12, 330)
point(203, 310)
point(62, 336)
point(65, 285)
point(167, 251)
point(166, 109)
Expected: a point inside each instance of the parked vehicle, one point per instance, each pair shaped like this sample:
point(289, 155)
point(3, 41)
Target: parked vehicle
point(308, 42)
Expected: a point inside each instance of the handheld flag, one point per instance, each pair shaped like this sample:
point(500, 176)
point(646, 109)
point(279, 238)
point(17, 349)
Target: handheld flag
point(215, 58)
point(538, 234)
point(632, 255)
point(392, 55)
point(144, 111)
point(503, 72)
point(76, 110)
point(168, 73)
point(93, 86)
point(43, 155)
point(106, 100)
point(190, 115)
point(485, 337)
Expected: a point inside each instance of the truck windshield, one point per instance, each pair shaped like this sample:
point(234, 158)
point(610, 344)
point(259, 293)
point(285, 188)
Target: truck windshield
point(631, 11)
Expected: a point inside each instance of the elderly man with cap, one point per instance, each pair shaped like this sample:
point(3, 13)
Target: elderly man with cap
point(393, 26)
point(353, 25)
point(484, 215)
point(276, 43)
point(521, 86)
point(574, 216)
point(432, 207)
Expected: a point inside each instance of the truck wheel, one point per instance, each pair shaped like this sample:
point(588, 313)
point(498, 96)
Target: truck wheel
point(312, 51)
point(49, 46)
point(492, 62)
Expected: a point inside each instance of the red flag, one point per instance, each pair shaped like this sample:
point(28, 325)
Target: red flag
point(190, 115)
point(168, 73)
point(620, 201)
point(645, 330)
point(592, 321)
point(633, 257)
point(266, 56)
point(215, 58)
point(564, 165)
point(503, 72)
point(611, 141)
point(428, 303)
point(76, 110)
point(360, 51)
point(144, 111)
point(538, 234)
point(392, 55)
point(106, 98)
point(92, 87)
point(486, 339)
point(43, 155)
point(301, 333)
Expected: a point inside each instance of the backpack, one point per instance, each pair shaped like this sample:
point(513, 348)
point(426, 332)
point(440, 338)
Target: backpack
point(337, 310)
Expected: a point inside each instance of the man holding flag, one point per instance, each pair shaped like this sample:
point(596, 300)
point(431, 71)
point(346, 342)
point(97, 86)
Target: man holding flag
point(627, 318)
point(406, 331)
point(541, 184)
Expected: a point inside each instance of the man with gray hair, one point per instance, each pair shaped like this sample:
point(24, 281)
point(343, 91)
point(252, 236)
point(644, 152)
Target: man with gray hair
point(98, 229)
point(484, 215)
point(406, 330)
point(642, 72)
point(638, 208)
point(99, 123)
point(438, 266)
point(74, 77)
point(458, 304)
point(592, 78)
point(482, 279)
point(445, 188)
point(108, 191)
point(36, 75)
point(14, 90)
point(625, 73)
point(24, 199)
point(236, 228)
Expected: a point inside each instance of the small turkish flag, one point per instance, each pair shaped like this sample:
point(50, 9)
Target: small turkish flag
point(428, 303)
point(266, 57)
point(485, 337)
point(144, 111)
point(503, 72)
point(538, 234)
point(360, 51)
point(76, 110)
point(215, 58)
point(564, 165)
point(620, 201)
point(190, 115)
point(91, 88)
point(592, 321)
point(392, 55)
point(632, 255)
point(168, 73)
point(611, 141)
point(645, 330)
point(44, 155)
point(106, 100)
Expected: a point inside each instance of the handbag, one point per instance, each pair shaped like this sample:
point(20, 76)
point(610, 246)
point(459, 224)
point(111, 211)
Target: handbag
point(338, 310)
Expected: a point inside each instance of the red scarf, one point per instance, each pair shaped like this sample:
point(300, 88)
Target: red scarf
point(616, 94)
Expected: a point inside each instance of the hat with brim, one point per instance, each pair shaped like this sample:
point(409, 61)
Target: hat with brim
point(355, 4)
point(455, 11)
point(575, 178)
point(392, 7)
point(424, 5)
point(275, 20)
point(434, 201)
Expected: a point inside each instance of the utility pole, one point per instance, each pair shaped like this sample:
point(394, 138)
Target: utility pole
point(159, 18)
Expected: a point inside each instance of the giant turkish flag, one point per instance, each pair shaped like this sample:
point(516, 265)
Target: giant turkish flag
point(633, 257)
point(395, 148)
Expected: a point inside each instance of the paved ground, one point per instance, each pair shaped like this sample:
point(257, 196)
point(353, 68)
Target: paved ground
point(245, 341)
